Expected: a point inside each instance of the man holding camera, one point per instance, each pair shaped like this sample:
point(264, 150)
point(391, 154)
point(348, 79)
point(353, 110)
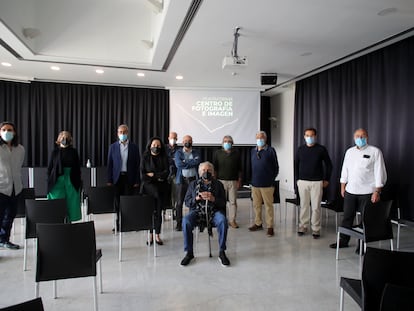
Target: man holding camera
point(207, 202)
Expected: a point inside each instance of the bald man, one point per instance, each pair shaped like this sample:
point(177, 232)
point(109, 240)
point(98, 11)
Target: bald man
point(362, 177)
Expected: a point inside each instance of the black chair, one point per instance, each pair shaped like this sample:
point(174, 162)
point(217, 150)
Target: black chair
point(100, 200)
point(380, 267)
point(31, 305)
point(26, 194)
point(397, 298)
point(42, 211)
point(296, 203)
point(376, 226)
point(136, 213)
point(67, 251)
point(40, 181)
point(101, 176)
point(335, 206)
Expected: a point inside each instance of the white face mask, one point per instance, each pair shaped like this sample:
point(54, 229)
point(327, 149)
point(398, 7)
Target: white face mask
point(7, 136)
point(172, 141)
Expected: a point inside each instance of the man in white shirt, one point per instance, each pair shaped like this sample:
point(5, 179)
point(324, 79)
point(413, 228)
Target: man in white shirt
point(362, 177)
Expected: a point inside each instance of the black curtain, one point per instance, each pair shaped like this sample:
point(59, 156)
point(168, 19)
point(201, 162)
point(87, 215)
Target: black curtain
point(375, 92)
point(92, 114)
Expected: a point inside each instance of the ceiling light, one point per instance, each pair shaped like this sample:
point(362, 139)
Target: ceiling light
point(179, 77)
point(99, 71)
point(56, 68)
point(141, 74)
point(6, 64)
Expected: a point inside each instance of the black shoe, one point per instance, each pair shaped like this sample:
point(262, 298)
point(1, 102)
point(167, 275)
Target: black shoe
point(187, 259)
point(150, 242)
point(300, 233)
point(9, 245)
point(316, 234)
point(225, 262)
point(342, 244)
point(178, 227)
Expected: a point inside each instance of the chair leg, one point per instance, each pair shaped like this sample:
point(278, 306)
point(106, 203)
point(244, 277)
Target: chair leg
point(155, 244)
point(25, 255)
point(54, 289)
point(100, 276)
point(120, 247)
point(337, 246)
point(95, 294)
point(37, 290)
point(341, 300)
point(392, 245)
point(285, 212)
point(398, 235)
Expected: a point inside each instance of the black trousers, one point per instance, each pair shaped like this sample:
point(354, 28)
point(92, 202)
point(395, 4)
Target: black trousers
point(353, 203)
point(159, 191)
point(8, 210)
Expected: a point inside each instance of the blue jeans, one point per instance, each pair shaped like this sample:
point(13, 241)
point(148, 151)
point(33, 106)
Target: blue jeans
point(190, 222)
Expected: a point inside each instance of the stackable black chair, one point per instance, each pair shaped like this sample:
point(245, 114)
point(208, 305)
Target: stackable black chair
point(136, 213)
point(31, 305)
point(100, 200)
point(335, 206)
point(26, 194)
point(296, 204)
point(67, 251)
point(397, 298)
point(379, 267)
point(42, 211)
point(376, 226)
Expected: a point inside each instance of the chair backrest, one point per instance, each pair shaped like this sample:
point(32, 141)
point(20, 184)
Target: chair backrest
point(377, 222)
point(31, 305)
point(65, 251)
point(43, 211)
point(26, 194)
point(100, 200)
point(101, 176)
point(397, 298)
point(136, 212)
point(383, 266)
point(276, 192)
point(40, 181)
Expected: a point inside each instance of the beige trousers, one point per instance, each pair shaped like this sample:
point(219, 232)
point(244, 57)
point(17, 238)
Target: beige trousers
point(310, 194)
point(230, 186)
point(262, 195)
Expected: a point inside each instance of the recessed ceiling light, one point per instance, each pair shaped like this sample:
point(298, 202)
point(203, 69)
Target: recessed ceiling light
point(387, 11)
point(141, 74)
point(179, 77)
point(5, 64)
point(56, 68)
point(99, 71)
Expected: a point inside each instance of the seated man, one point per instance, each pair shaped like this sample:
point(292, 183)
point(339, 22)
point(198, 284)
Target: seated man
point(205, 191)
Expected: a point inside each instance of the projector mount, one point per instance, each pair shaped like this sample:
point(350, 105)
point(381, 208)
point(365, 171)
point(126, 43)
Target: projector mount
point(236, 57)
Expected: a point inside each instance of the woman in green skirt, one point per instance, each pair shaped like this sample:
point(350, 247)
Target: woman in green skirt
point(64, 176)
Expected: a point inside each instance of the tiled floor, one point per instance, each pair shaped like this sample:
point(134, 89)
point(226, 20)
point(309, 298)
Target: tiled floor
point(285, 272)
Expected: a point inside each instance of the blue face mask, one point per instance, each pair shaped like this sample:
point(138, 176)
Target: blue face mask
point(7, 136)
point(260, 142)
point(226, 146)
point(122, 137)
point(360, 141)
point(310, 140)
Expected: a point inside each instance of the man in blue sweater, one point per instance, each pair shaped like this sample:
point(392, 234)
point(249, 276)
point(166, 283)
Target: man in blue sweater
point(264, 172)
point(313, 168)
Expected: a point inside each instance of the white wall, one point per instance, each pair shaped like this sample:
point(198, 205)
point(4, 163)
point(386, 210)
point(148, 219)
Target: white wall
point(282, 108)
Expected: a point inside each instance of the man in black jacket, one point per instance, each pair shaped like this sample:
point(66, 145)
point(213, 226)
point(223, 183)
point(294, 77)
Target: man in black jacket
point(207, 202)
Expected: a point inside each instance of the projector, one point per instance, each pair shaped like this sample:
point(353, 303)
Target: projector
point(233, 63)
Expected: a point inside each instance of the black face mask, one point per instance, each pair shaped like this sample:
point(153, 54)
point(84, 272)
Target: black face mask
point(155, 150)
point(206, 175)
point(188, 145)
